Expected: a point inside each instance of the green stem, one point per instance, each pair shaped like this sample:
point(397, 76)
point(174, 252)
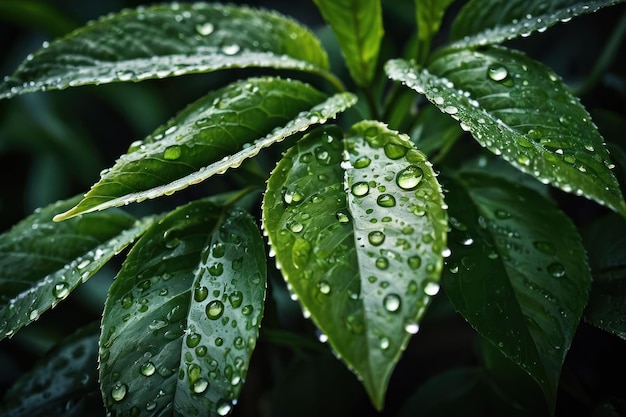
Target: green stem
point(371, 104)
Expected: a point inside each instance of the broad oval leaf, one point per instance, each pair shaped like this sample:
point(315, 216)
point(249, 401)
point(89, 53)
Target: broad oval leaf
point(210, 136)
point(519, 109)
point(517, 272)
point(358, 26)
point(182, 317)
point(63, 382)
point(359, 241)
point(42, 262)
point(169, 40)
point(483, 22)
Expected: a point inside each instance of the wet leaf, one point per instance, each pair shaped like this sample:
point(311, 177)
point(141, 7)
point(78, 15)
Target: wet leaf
point(165, 41)
point(359, 242)
point(517, 272)
point(483, 22)
point(215, 133)
point(63, 382)
point(42, 262)
point(519, 109)
point(182, 317)
point(358, 26)
point(605, 241)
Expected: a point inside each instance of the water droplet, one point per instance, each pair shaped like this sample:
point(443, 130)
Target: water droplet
point(395, 151)
point(61, 290)
point(431, 288)
point(497, 72)
point(200, 293)
point(384, 343)
point(546, 247)
point(193, 340)
point(386, 200)
point(342, 217)
point(235, 298)
point(295, 226)
point(33, 314)
point(409, 178)
point(224, 407)
point(451, 110)
point(362, 162)
point(323, 287)
point(83, 264)
point(214, 309)
point(414, 261)
point(200, 385)
point(239, 343)
point(231, 49)
point(217, 269)
point(382, 263)
point(392, 303)
point(502, 214)
point(556, 269)
point(205, 29)
point(376, 238)
point(147, 369)
point(118, 392)
point(219, 341)
point(360, 189)
point(247, 310)
point(171, 153)
point(412, 328)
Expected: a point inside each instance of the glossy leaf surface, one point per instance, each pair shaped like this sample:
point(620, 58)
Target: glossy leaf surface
point(168, 40)
point(182, 317)
point(63, 382)
point(519, 109)
point(358, 26)
point(210, 136)
point(359, 242)
point(483, 22)
point(517, 273)
point(42, 262)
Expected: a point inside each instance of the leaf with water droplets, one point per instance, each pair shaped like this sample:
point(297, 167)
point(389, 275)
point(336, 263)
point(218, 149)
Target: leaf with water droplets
point(359, 241)
point(169, 40)
point(63, 382)
point(59, 258)
point(214, 134)
point(517, 272)
point(181, 319)
point(605, 241)
point(519, 109)
point(358, 27)
point(482, 22)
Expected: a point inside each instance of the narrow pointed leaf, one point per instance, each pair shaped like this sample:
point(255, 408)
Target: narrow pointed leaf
point(210, 136)
point(428, 16)
point(63, 382)
point(168, 40)
point(519, 109)
point(182, 317)
point(359, 242)
point(358, 26)
point(42, 262)
point(517, 272)
point(483, 22)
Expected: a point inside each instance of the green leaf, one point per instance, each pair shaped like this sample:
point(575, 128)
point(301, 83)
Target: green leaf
point(428, 15)
point(483, 22)
point(63, 382)
point(182, 317)
point(519, 109)
point(215, 133)
point(359, 242)
point(42, 261)
point(605, 241)
point(358, 26)
point(169, 40)
point(517, 272)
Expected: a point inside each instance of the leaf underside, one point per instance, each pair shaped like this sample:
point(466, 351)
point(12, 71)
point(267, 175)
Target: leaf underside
point(182, 317)
point(214, 134)
point(359, 242)
point(168, 40)
point(519, 109)
point(60, 257)
point(517, 272)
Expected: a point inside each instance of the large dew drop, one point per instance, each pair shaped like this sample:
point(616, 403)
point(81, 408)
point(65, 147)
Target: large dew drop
point(214, 309)
point(118, 392)
point(392, 303)
point(409, 178)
